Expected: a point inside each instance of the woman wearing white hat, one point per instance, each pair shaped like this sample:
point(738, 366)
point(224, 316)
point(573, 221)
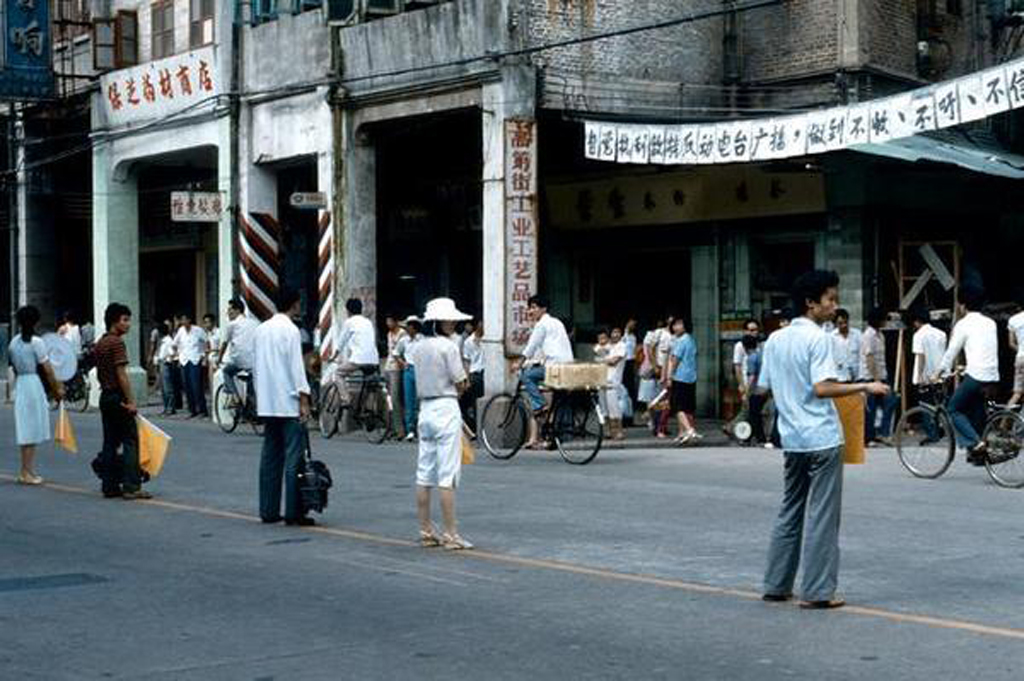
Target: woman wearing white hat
point(440, 379)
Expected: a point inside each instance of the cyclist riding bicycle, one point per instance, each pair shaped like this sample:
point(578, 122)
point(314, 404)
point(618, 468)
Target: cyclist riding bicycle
point(976, 335)
point(548, 343)
point(237, 345)
point(355, 346)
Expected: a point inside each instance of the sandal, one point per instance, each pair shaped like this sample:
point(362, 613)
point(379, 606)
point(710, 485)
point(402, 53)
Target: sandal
point(429, 538)
point(29, 479)
point(453, 542)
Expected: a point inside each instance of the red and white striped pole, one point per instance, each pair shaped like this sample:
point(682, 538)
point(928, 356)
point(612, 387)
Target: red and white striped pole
point(260, 261)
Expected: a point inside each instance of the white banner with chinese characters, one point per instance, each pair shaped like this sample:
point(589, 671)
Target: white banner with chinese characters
point(196, 207)
point(934, 107)
point(520, 229)
point(159, 88)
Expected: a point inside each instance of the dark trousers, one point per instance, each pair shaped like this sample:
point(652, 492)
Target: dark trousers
point(887, 403)
point(630, 382)
point(193, 375)
point(967, 409)
point(119, 431)
point(468, 400)
point(755, 414)
point(281, 458)
point(176, 384)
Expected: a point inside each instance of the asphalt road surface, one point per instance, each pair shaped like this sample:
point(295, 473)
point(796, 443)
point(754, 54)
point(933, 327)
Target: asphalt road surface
point(645, 564)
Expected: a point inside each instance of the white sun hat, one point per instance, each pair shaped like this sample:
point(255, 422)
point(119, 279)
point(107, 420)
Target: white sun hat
point(444, 310)
point(411, 318)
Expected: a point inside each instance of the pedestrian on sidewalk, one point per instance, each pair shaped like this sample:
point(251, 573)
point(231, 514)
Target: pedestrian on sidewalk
point(164, 360)
point(614, 356)
point(406, 361)
point(118, 409)
point(282, 403)
point(440, 380)
point(846, 348)
point(629, 371)
point(874, 367)
point(799, 369)
point(1016, 330)
point(190, 348)
point(393, 374)
point(680, 379)
point(473, 359)
point(27, 354)
point(740, 351)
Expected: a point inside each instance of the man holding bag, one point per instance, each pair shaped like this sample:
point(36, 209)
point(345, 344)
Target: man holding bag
point(799, 370)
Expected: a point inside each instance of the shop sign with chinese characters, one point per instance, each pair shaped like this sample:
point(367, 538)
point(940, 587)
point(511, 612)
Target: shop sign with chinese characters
point(196, 206)
point(159, 88)
point(520, 229)
point(27, 69)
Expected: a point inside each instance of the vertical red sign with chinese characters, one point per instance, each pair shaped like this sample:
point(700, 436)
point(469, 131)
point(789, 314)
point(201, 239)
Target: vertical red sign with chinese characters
point(520, 229)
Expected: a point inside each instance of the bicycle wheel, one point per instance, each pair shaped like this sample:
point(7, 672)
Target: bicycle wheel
point(503, 426)
point(925, 442)
point(578, 428)
point(77, 397)
point(330, 410)
point(376, 414)
point(225, 410)
point(1004, 437)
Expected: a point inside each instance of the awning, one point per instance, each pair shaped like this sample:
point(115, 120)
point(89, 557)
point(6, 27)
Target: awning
point(959, 149)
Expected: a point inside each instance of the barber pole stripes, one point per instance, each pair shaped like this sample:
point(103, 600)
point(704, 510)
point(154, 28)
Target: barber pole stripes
point(259, 257)
point(326, 262)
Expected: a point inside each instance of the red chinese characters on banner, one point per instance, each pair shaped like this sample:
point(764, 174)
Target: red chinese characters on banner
point(161, 87)
point(520, 230)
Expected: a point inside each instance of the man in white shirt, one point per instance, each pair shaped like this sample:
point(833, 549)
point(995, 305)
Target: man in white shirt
point(928, 346)
point(548, 343)
point(236, 348)
point(70, 331)
point(282, 402)
point(190, 348)
point(440, 379)
point(975, 335)
point(873, 367)
point(1016, 329)
point(846, 351)
point(751, 329)
point(615, 358)
point(473, 358)
point(355, 345)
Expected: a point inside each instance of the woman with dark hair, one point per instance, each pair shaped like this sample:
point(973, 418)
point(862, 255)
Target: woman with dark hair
point(31, 413)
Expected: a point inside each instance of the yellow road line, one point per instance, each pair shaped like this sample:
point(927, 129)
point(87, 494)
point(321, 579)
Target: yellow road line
point(572, 568)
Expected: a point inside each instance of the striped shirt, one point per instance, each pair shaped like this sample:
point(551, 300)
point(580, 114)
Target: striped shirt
point(110, 353)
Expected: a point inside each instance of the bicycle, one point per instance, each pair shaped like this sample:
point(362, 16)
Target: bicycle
point(926, 440)
point(229, 409)
point(573, 424)
point(371, 410)
point(76, 393)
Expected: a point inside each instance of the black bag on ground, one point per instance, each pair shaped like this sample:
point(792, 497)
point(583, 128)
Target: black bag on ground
point(314, 482)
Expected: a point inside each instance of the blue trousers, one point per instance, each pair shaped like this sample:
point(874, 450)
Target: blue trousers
point(412, 403)
point(967, 409)
point(281, 457)
point(811, 506)
point(532, 377)
point(193, 374)
point(887, 404)
point(167, 386)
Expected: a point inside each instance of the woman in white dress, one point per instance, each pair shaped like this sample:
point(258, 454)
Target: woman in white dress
point(31, 411)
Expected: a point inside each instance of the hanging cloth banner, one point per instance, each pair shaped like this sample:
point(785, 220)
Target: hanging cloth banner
point(934, 107)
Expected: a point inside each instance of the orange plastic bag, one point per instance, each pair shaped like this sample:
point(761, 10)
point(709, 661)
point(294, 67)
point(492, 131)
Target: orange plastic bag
point(468, 453)
point(63, 433)
point(851, 415)
point(153, 446)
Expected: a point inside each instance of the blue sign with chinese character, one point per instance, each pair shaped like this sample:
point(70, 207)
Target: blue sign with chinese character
point(26, 71)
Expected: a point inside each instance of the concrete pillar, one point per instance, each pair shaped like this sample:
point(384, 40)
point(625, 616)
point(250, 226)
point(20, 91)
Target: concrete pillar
point(226, 255)
point(706, 315)
point(355, 232)
point(843, 246)
point(512, 97)
point(115, 247)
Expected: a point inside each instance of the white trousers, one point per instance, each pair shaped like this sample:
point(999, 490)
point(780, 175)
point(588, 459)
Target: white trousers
point(440, 440)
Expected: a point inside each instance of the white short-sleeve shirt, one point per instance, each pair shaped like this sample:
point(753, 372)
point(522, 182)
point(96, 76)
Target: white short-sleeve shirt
point(929, 343)
point(1016, 325)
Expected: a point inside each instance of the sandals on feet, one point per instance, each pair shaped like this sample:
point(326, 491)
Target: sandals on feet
point(429, 539)
point(453, 542)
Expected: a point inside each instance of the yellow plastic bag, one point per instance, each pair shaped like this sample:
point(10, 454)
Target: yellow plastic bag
point(153, 446)
point(468, 453)
point(851, 415)
point(64, 434)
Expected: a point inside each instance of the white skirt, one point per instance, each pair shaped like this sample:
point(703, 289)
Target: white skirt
point(31, 411)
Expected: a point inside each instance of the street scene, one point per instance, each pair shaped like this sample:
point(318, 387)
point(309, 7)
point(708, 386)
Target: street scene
point(397, 339)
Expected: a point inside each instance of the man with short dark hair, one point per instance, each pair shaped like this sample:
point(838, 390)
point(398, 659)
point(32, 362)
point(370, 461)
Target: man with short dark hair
point(975, 335)
point(190, 347)
point(117, 408)
point(875, 368)
point(846, 347)
point(282, 402)
point(799, 371)
point(548, 343)
point(236, 350)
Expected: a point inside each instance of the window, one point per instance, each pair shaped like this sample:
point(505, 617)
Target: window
point(263, 10)
point(163, 29)
point(200, 22)
point(115, 41)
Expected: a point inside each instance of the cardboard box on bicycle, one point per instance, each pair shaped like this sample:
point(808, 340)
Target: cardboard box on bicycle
point(851, 414)
point(576, 376)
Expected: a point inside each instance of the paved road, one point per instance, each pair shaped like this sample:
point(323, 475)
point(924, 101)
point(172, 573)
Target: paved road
point(645, 564)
